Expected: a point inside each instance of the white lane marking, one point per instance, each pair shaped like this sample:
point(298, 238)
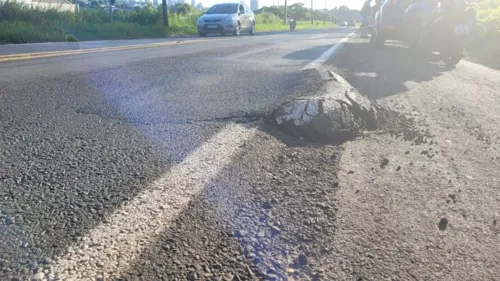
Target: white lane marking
point(240, 55)
point(319, 36)
point(279, 45)
point(328, 53)
point(112, 246)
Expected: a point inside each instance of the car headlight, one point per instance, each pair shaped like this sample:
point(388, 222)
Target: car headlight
point(228, 19)
point(200, 20)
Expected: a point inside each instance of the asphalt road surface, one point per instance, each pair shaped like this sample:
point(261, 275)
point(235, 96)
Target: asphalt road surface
point(156, 162)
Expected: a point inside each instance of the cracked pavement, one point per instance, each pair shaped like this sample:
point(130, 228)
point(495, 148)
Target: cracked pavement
point(156, 165)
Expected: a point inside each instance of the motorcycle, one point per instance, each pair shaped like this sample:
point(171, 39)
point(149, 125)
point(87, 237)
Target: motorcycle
point(292, 25)
point(442, 29)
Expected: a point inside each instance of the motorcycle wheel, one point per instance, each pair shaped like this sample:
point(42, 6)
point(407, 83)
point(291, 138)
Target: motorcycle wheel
point(452, 56)
point(376, 39)
point(416, 47)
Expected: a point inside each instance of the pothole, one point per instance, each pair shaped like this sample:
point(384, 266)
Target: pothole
point(338, 113)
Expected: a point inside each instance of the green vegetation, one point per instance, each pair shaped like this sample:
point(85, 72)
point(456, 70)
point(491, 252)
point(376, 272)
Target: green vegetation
point(488, 12)
point(484, 46)
point(23, 24)
point(267, 21)
point(296, 11)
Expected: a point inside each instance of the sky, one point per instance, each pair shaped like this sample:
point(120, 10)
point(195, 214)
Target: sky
point(318, 4)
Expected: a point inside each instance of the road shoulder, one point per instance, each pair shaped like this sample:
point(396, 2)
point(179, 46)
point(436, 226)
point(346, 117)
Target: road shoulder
point(426, 209)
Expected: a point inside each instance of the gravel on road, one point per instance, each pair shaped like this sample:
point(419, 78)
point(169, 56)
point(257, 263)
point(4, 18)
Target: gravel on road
point(414, 200)
point(422, 201)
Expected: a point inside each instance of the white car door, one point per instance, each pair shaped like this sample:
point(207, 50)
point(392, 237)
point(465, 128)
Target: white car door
point(250, 16)
point(243, 17)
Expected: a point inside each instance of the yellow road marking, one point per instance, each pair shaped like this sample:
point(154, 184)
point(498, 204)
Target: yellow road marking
point(26, 56)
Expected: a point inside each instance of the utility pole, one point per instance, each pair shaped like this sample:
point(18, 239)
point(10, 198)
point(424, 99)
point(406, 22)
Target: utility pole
point(286, 11)
point(324, 18)
point(165, 12)
point(312, 13)
point(111, 3)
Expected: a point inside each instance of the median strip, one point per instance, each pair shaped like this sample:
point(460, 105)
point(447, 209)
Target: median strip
point(26, 56)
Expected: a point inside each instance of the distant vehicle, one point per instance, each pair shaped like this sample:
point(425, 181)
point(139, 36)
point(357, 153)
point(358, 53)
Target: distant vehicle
point(442, 29)
point(351, 23)
point(344, 23)
point(229, 18)
point(389, 22)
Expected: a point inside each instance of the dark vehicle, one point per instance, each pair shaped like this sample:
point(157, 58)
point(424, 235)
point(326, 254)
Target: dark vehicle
point(389, 22)
point(441, 28)
point(227, 18)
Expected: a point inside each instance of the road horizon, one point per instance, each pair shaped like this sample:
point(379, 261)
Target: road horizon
point(163, 159)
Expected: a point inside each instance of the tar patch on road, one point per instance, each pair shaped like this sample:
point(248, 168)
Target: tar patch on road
point(268, 215)
point(403, 127)
point(443, 224)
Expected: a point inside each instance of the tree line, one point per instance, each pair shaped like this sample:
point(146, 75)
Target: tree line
point(299, 12)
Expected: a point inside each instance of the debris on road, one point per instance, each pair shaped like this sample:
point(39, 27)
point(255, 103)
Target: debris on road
point(339, 112)
point(443, 224)
point(384, 162)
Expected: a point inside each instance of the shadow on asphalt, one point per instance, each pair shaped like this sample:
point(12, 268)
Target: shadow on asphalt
point(265, 33)
point(75, 156)
point(229, 232)
point(291, 139)
point(383, 72)
point(307, 54)
point(62, 172)
point(484, 51)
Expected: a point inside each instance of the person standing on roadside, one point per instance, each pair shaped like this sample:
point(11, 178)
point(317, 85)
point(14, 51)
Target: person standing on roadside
point(365, 15)
point(374, 10)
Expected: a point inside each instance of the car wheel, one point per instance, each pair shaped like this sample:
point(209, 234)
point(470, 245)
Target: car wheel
point(373, 36)
point(203, 34)
point(252, 29)
point(413, 43)
point(379, 40)
point(417, 43)
point(237, 30)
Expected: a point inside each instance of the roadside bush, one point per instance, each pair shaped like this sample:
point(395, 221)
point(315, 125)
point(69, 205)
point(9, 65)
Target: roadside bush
point(70, 38)
point(12, 11)
point(488, 12)
point(24, 32)
point(23, 24)
point(267, 18)
point(484, 44)
point(144, 16)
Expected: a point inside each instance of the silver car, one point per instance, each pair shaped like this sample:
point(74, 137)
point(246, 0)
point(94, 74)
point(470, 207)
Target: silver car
point(227, 18)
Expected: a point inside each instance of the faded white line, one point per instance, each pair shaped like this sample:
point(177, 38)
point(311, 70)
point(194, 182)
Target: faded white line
point(111, 247)
point(329, 53)
point(240, 55)
point(319, 36)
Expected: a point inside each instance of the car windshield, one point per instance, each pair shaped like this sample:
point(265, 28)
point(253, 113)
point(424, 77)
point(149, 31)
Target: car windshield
point(223, 9)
